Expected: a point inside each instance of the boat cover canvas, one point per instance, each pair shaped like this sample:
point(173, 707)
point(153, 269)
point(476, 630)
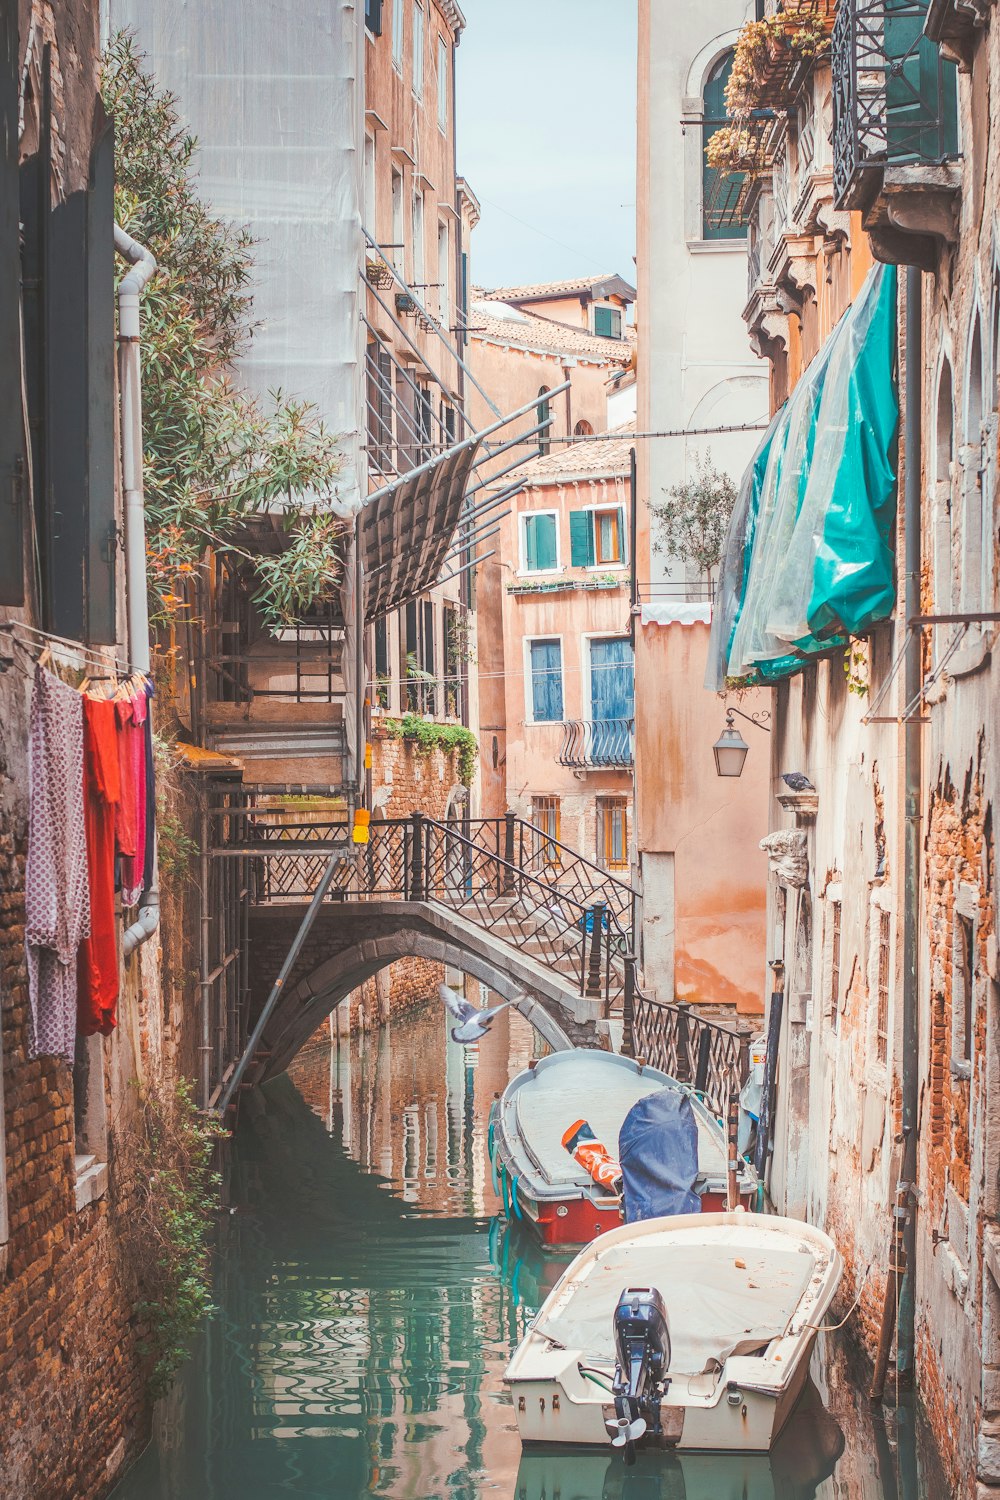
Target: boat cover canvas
point(658, 1152)
point(725, 1293)
point(809, 549)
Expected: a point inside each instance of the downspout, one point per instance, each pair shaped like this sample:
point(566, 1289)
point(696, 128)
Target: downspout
point(130, 381)
point(910, 1063)
point(130, 287)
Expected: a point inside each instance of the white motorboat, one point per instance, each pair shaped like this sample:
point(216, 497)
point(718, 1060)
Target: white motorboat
point(692, 1332)
point(542, 1182)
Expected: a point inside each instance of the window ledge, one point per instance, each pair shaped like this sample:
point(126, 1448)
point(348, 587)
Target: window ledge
point(91, 1180)
point(718, 247)
point(970, 658)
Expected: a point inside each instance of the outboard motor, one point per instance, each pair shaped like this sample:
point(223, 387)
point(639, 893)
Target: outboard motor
point(642, 1350)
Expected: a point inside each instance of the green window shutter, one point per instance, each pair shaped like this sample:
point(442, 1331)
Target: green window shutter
point(540, 553)
point(581, 538)
point(530, 549)
point(622, 536)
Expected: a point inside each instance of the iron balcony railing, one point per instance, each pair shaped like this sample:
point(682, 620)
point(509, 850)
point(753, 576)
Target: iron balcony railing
point(598, 744)
point(894, 96)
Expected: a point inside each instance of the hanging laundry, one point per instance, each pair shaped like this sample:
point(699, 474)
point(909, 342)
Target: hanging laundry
point(147, 869)
point(97, 1000)
point(133, 868)
point(57, 898)
point(125, 809)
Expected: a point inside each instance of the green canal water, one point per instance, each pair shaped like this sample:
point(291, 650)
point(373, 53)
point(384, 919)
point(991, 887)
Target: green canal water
point(368, 1298)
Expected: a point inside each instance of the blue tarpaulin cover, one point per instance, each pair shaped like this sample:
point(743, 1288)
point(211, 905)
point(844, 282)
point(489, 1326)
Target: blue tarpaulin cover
point(658, 1151)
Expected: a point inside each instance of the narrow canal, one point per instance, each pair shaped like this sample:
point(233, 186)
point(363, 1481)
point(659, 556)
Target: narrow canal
point(368, 1299)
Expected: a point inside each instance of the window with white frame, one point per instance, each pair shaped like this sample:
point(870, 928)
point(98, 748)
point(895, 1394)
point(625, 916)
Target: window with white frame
point(443, 276)
point(540, 541)
point(371, 220)
point(883, 968)
point(545, 674)
point(608, 322)
point(418, 50)
point(397, 34)
point(597, 537)
point(419, 262)
point(442, 83)
point(396, 253)
point(963, 979)
point(834, 940)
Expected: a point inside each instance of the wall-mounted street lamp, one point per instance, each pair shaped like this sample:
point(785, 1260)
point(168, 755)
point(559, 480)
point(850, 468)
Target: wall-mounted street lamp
point(730, 749)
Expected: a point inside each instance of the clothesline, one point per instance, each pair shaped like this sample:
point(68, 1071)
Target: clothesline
point(60, 645)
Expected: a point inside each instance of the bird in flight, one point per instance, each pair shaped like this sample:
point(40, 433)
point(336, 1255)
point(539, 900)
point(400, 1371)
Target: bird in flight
point(797, 781)
point(473, 1023)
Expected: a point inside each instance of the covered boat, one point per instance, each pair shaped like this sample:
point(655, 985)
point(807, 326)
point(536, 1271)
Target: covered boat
point(691, 1332)
point(538, 1179)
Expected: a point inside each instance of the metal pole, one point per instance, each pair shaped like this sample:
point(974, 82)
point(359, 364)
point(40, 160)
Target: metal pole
point(291, 958)
point(206, 921)
point(910, 1037)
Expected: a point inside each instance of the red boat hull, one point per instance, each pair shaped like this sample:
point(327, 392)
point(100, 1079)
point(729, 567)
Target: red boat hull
point(577, 1221)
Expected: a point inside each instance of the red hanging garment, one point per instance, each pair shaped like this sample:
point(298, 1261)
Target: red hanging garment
point(97, 994)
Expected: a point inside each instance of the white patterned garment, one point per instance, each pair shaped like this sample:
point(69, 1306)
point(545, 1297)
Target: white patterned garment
point(56, 886)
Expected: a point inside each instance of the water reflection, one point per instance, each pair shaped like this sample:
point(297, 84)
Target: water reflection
point(368, 1301)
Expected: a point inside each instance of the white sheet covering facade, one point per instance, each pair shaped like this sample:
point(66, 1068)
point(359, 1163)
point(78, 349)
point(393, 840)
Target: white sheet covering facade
point(274, 94)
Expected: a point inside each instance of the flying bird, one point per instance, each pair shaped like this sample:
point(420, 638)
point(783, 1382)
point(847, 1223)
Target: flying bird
point(797, 781)
point(473, 1023)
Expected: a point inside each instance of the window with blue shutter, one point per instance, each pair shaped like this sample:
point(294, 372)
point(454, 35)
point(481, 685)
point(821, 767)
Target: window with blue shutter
point(612, 694)
point(541, 549)
point(546, 681)
point(722, 215)
point(608, 322)
point(581, 538)
point(373, 16)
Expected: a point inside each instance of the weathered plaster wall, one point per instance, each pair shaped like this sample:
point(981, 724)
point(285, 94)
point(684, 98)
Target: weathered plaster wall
point(704, 938)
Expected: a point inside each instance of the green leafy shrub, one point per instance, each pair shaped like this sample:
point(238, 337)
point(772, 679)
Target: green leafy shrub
point(213, 455)
point(174, 1198)
point(429, 736)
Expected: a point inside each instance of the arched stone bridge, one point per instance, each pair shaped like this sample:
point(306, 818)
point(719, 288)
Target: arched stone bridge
point(533, 920)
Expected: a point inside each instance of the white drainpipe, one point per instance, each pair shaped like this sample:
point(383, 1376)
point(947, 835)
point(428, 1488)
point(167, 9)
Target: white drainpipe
point(130, 387)
point(130, 384)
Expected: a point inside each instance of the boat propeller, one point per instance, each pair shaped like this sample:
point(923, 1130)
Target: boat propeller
point(623, 1431)
point(642, 1350)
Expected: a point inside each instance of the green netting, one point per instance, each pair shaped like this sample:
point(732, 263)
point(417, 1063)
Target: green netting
point(815, 531)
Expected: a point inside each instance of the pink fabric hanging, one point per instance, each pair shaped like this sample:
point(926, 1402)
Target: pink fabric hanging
point(56, 889)
point(134, 730)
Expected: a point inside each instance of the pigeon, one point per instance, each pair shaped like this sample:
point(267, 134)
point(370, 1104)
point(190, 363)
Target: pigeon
point(474, 1024)
point(797, 781)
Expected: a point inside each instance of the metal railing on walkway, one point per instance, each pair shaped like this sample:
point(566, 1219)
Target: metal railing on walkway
point(673, 1037)
point(504, 875)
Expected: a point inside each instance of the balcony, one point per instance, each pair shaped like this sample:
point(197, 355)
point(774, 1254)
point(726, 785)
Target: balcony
point(895, 122)
point(597, 744)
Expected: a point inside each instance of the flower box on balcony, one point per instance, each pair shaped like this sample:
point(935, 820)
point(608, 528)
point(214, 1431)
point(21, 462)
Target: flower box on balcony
point(772, 54)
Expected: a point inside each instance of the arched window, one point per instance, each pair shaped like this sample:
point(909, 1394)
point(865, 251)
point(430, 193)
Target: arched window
point(583, 428)
point(944, 453)
point(543, 411)
point(971, 457)
point(721, 218)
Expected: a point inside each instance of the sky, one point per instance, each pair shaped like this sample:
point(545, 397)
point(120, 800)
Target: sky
point(546, 137)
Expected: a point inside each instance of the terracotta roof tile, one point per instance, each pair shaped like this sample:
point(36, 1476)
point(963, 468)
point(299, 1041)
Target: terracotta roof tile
point(583, 460)
point(527, 332)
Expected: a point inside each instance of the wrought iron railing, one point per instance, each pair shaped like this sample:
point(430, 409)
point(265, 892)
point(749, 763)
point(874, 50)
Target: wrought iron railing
point(713, 1058)
point(597, 744)
point(894, 96)
point(572, 918)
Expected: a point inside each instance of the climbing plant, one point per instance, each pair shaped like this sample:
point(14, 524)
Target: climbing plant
point(428, 736)
point(173, 1196)
point(691, 524)
point(214, 456)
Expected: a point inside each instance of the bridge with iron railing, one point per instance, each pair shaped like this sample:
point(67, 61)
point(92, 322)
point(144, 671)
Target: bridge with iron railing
point(498, 897)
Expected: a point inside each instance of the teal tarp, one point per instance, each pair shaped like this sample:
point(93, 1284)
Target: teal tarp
point(814, 519)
